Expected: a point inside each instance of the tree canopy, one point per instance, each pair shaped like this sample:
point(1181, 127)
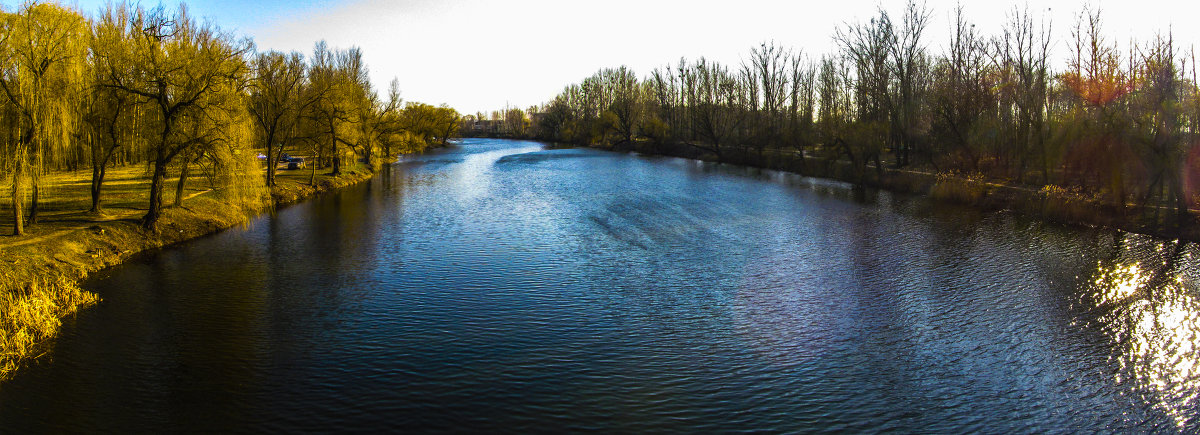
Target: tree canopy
point(157, 87)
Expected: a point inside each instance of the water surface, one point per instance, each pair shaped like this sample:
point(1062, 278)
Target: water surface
point(502, 286)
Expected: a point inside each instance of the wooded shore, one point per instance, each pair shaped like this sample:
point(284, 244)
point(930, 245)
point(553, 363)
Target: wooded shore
point(42, 272)
point(1050, 204)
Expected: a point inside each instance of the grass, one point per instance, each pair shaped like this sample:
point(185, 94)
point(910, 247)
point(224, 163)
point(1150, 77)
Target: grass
point(1068, 205)
point(29, 315)
point(958, 187)
point(40, 271)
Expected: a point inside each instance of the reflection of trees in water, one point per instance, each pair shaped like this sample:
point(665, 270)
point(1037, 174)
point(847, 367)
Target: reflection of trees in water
point(1149, 307)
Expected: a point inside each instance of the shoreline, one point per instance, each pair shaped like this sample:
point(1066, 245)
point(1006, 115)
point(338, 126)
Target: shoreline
point(1050, 203)
point(41, 273)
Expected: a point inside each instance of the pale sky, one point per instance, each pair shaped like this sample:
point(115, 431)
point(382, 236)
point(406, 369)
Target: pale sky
point(480, 55)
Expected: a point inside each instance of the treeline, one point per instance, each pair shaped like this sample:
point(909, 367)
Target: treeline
point(1120, 126)
point(158, 87)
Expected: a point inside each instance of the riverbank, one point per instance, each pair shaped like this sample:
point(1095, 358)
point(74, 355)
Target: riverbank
point(1051, 203)
point(40, 272)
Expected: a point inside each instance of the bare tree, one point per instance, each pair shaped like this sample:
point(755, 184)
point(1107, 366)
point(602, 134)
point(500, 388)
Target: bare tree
point(715, 104)
point(961, 95)
point(908, 64)
point(1020, 55)
point(1157, 116)
point(867, 46)
point(802, 97)
point(767, 77)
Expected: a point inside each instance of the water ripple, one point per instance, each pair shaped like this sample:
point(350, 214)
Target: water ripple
point(498, 286)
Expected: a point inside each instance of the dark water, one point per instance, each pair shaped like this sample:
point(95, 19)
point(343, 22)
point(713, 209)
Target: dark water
point(497, 286)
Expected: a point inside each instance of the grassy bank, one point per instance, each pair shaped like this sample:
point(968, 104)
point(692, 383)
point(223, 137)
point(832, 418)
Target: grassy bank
point(39, 272)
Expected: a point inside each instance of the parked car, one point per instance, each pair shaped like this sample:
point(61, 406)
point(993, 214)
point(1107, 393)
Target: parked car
point(295, 163)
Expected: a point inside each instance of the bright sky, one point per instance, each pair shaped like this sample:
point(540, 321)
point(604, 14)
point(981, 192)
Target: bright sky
point(480, 55)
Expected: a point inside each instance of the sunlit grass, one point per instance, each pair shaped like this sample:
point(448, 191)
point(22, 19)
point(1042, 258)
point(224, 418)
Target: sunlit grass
point(31, 314)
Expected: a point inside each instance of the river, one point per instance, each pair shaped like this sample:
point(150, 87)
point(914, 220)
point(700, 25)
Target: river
point(505, 286)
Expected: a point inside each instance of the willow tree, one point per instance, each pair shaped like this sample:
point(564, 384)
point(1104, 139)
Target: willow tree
point(42, 50)
point(107, 117)
point(110, 116)
point(380, 127)
point(388, 120)
point(184, 70)
point(336, 83)
point(431, 124)
point(277, 98)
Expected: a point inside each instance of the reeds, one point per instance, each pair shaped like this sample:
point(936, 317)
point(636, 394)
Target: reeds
point(30, 315)
point(1068, 205)
point(964, 188)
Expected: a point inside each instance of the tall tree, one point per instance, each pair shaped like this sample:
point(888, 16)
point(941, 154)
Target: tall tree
point(1020, 56)
point(1157, 118)
point(336, 79)
point(960, 96)
point(715, 101)
point(42, 49)
point(109, 119)
point(277, 98)
point(1098, 86)
point(802, 98)
point(909, 66)
point(867, 46)
point(768, 71)
point(186, 70)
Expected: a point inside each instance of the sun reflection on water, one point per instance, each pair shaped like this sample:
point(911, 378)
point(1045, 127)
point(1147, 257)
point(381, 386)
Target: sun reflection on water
point(1150, 309)
point(1119, 282)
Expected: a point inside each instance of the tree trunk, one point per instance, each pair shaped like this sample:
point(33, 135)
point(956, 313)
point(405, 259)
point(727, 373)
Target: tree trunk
point(183, 175)
point(271, 164)
point(337, 157)
point(336, 160)
point(156, 182)
point(18, 200)
point(98, 170)
point(97, 174)
point(272, 159)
